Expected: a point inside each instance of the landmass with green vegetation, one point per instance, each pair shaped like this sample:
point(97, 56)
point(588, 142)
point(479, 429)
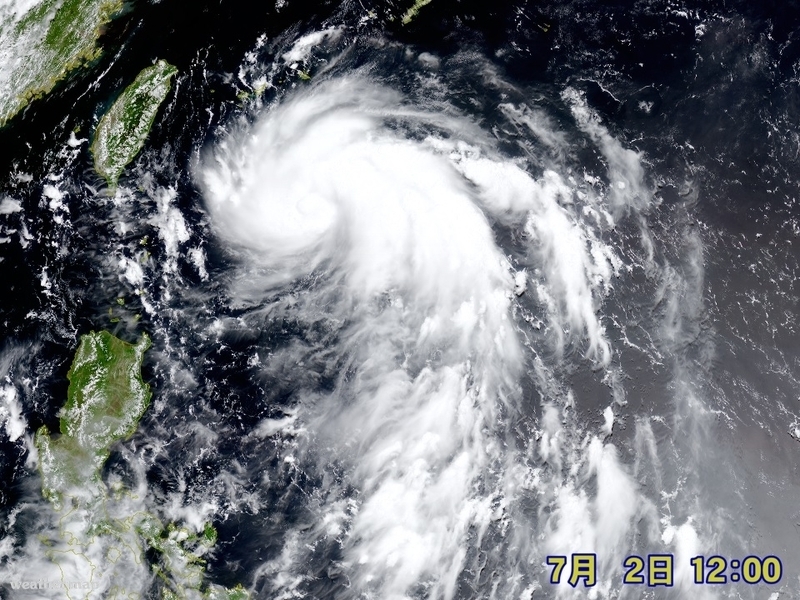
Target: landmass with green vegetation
point(179, 562)
point(412, 12)
point(124, 128)
point(104, 531)
point(44, 44)
point(105, 400)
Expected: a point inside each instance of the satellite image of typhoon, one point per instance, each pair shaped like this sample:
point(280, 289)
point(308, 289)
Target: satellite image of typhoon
point(399, 300)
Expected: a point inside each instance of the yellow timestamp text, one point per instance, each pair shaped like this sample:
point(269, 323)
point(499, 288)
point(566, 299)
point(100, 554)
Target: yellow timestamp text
point(658, 570)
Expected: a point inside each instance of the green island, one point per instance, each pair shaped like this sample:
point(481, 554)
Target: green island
point(412, 12)
point(123, 129)
point(104, 529)
point(105, 400)
point(46, 44)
